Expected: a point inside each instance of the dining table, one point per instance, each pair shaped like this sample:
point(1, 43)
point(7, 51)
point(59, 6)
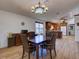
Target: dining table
point(38, 40)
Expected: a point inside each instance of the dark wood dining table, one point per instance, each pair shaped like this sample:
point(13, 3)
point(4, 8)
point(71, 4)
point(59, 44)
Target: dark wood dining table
point(38, 40)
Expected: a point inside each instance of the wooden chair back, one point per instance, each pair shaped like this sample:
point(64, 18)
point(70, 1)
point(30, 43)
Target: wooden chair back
point(25, 42)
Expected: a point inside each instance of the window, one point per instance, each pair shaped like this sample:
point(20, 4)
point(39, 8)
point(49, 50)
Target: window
point(39, 27)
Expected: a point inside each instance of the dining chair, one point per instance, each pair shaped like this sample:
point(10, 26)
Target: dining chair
point(49, 45)
point(31, 35)
point(27, 48)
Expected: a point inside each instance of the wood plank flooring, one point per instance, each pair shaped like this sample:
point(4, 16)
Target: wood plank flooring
point(66, 48)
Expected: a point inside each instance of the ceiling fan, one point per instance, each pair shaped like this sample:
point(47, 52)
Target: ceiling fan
point(63, 21)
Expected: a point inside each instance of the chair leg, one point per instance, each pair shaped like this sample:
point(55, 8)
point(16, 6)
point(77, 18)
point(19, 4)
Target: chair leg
point(28, 55)
point(23, 54)
point(55, 51)
point(47, 51)
point(42, 53)
point(50, 54)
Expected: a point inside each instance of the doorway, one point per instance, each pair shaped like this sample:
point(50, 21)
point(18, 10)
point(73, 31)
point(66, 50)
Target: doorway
point(71, 29)
point(64, 30)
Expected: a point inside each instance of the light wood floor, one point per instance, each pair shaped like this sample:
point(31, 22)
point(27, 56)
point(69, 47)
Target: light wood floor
point(66, 48)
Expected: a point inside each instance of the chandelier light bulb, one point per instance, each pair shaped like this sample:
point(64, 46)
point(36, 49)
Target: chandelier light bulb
point(46, 8)
point(33, 7)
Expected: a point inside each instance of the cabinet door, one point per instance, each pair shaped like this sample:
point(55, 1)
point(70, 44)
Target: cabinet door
point(11, 42)
point(18, 40)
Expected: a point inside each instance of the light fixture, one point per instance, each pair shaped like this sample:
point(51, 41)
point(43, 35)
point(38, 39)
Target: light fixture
point(63, 21)
point(39, 8)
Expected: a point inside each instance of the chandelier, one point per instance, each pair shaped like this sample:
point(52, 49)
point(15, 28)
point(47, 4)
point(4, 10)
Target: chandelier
point(63, 21)
point(39, 8)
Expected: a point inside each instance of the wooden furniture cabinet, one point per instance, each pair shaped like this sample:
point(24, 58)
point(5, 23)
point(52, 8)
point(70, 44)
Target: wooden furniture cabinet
point(15, 40)
point(11, 42)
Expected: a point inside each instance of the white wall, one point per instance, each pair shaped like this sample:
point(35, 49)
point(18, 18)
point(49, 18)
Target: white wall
point(10, 22)
point(76, 28)
point(71, 21)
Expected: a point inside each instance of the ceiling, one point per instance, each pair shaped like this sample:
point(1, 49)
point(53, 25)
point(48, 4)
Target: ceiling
point(23, 7)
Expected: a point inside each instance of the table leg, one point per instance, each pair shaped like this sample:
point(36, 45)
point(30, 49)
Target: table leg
point(37, 52)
